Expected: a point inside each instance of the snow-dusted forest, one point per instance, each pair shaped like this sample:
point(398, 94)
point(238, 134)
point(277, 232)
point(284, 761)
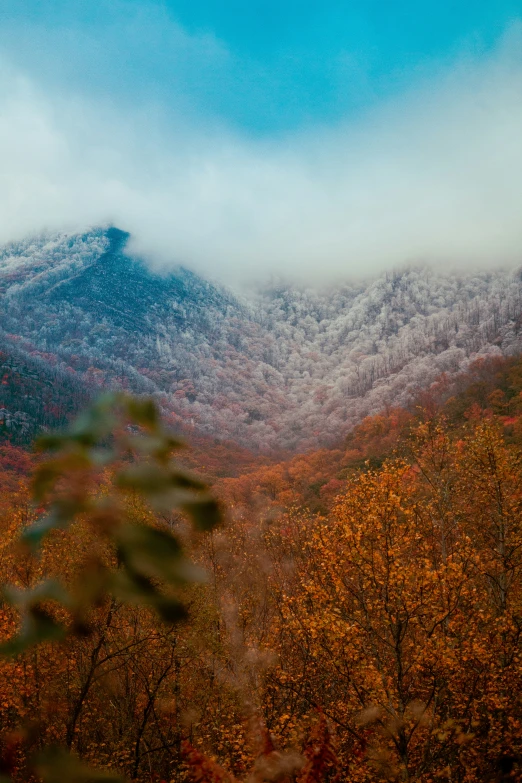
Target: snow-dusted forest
point(285, 366)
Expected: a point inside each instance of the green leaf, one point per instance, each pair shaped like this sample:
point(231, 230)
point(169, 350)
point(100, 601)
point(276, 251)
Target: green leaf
point(48, 590)
point(37, 626)
point(136, 588)
point(35, 533)
point(204, 512)
point(44, 479)
point(91, 426)
point(51, 442)
point(154, 553)
point(102, 457)
point(158, 446)
point(55, 765)
point(143, 411)
point(62, 513)
point(170, 610)
point(145, 478)
point(152, 559)
point(154, 479)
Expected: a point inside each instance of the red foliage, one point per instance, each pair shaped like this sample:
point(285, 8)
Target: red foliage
point(203, 769)
point(321, 758)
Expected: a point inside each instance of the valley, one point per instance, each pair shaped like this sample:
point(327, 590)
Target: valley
point(282, 368)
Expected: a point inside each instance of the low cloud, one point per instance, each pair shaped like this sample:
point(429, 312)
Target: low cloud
point(434, 176)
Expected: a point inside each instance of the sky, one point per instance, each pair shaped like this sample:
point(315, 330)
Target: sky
point(313, 139)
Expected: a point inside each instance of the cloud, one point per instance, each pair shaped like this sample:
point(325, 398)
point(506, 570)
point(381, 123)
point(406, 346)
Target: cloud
point(433, 176)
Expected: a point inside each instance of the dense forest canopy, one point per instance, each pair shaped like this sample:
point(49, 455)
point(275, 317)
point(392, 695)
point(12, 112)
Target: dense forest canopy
point(285, 367)
point(361, 619)
point(260, 391)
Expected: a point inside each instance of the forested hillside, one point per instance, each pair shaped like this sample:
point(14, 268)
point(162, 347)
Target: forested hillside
point(360, 614)
point(260, 391)
point(361, 620)
point(282, 367)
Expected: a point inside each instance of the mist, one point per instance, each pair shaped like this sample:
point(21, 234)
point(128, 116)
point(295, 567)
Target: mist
point(433, 176)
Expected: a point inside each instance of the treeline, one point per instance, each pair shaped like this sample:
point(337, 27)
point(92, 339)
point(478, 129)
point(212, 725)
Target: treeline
point(381, 616)
point(490, 388)
point(285, 368)
point(36, 393)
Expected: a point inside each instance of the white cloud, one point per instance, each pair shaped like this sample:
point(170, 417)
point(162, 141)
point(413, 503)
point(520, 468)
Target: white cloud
point(434, 176)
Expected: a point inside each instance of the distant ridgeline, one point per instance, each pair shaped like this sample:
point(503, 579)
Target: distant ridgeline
point(288, 367)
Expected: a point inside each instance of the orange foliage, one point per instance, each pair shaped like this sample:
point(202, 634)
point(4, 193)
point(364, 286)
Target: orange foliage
point(402, 616)
point(385, 593)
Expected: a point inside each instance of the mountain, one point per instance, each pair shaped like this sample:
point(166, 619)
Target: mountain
point(286, 367)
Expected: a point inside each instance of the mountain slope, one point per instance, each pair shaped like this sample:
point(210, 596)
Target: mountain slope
point(288, 367)
point(35, 393)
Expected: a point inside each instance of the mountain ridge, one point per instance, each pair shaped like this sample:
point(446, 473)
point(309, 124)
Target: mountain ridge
point(289, 367)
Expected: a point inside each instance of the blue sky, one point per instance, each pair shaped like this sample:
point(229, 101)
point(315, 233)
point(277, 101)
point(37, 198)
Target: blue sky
point(314, 138)
point(264, 66)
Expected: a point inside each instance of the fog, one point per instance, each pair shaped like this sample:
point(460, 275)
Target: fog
point(433, 176)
